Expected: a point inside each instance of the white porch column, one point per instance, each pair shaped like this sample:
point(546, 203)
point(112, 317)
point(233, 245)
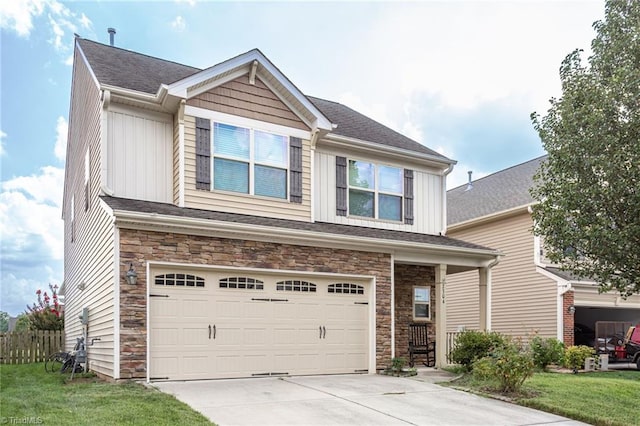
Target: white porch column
point(485, 298)
point(441, 316)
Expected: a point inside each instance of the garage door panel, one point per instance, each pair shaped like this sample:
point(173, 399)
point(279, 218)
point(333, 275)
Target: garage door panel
point(312, 332)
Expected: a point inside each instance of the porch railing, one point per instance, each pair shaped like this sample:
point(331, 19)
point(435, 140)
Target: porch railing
point(452, 337)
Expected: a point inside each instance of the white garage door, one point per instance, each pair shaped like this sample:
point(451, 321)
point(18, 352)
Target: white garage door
point(227, 324)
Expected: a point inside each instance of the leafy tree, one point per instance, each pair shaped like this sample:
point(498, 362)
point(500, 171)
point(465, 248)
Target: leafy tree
point(22, 323)
point(589, 187)
point(4, 321)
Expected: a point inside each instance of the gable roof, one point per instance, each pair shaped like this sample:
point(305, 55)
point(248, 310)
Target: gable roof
point(498, 192)
point(352, 124)
point(119, 67)
point(163, 209)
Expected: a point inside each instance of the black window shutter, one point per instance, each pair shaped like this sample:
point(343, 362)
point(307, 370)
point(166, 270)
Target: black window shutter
point(203, 153)
point(341, 186)
point(295, 170)
point(408, 196)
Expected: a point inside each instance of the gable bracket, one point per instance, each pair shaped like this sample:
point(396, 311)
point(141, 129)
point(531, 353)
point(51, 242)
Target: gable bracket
point(252, 74)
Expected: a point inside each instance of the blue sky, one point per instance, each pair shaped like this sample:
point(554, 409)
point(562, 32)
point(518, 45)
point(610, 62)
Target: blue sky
point(459, 77)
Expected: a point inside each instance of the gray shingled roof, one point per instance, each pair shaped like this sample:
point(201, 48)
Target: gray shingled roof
point(355, 125)
point(135, 71)
point(500, 191)
point(131, 70)
point(126, 204)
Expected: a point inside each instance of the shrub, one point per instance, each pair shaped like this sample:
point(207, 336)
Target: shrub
point(546, 351)
point(45, 315)
point(574, 356)
point(509, 364)
point(473, 345)
point(397, 364)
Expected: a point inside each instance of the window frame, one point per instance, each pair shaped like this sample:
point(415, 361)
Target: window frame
point(252, 162)
point(414, 302)
point(376, 190)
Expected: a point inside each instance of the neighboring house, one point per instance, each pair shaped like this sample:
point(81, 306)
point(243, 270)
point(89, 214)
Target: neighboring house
point(270, 232)
point(528, 294)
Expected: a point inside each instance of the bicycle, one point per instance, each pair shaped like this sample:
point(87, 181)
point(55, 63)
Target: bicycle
point(68, 362)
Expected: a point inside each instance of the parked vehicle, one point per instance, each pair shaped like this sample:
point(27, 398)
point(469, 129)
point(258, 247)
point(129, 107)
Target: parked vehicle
point(632, 345)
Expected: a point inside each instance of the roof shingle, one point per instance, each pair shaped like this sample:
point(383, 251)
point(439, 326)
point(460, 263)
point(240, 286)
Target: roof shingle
point(135, 71)
point(503, 190)
point(126, 204)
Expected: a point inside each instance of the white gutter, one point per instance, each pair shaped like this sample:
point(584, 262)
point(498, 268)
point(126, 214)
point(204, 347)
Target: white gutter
point(345, 141)
point(225, 229)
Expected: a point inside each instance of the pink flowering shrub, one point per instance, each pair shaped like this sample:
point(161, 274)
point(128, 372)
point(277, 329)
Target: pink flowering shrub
point(46, 313)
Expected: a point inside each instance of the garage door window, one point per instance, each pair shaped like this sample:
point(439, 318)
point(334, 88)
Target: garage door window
point(346, 288)
point(244, 283)
point(179, 280)
point(296, 285)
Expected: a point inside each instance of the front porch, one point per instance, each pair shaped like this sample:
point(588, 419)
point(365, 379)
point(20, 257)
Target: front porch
point(411, 282)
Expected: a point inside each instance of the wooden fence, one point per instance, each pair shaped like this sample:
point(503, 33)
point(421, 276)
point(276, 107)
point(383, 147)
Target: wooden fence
point(29, 346)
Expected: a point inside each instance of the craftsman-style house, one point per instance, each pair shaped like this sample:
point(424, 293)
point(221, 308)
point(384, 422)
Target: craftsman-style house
point(221, 223)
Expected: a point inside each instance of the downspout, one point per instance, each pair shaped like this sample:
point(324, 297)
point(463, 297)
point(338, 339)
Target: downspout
point(104, 135)
point(444, 197)
point(489, 290)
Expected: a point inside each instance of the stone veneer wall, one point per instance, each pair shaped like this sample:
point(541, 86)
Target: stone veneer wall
point(405, 278)
point(568, 319)
point(142, 246)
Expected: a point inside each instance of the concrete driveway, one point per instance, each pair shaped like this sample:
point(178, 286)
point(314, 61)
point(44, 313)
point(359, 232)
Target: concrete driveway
point(348, 400)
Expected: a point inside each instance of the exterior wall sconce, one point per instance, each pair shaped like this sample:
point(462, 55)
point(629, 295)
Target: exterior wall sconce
point(571, 309)
point(132, 277)
point(82, 286)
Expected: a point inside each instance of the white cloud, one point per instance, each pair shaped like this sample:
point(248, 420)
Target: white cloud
point(178, 24)
point(85, 22)
point(2, 149)
point(189, 2)
point(18, 15)
point(60, 149)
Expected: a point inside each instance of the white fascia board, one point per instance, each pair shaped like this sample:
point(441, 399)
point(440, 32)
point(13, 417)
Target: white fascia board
point(345, 141)
point(236, 120)
point(222, 229)
point(180, 88)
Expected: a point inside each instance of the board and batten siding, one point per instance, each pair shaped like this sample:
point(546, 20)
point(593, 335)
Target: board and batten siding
point(254, 101)
point(140, 154)
point(88, 260)
point(523, 301)
point(243, 203)
point(427, 207)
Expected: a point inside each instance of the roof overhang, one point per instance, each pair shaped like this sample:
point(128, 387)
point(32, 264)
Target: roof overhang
point(460, 258)
point(482, 220)
point(254, 64)
point(347, 143)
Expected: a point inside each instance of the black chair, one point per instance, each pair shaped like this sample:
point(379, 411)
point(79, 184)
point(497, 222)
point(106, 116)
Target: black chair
point(419, 344)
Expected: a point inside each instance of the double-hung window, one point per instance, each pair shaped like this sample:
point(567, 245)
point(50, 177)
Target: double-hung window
point(250, 161)
point(421, 303)
point(375, 190)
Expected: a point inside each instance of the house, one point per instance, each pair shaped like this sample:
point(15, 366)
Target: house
point(220, 223)
point(528, 294)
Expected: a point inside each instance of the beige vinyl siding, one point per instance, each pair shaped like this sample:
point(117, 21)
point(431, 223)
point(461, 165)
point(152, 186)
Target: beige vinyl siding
point(88, 259)
point(240, 98)
point(523, 301)
point(243, 203)
point(427, 208)
point(140, 154)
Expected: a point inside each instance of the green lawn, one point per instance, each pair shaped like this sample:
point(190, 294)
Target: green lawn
point(602, 398)
point(28, 392)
